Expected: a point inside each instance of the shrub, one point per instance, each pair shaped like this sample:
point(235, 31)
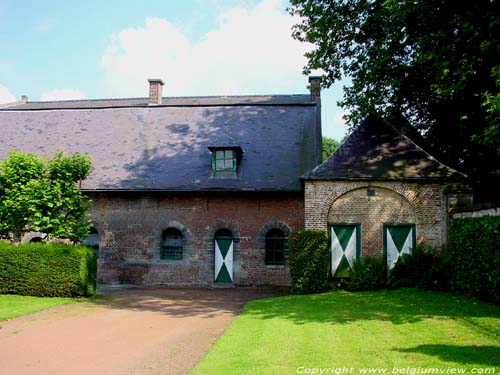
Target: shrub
point(309, 261)
point(368, 273)
point(411, 269)
point(474, 248)
point(47, 270)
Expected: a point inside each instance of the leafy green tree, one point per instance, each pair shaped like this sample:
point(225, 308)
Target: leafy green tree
point(432, 63)
point(330, 145)
point(41, 195)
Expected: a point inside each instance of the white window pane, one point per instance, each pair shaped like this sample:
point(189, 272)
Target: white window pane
point(219, 154)
point(228, 164)
point(219, 164)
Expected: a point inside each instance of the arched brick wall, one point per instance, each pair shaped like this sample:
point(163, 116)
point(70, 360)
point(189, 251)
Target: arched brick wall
point(420, 202)
point(385, 206)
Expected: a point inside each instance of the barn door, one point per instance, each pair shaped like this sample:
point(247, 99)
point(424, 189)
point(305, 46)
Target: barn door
point(399, 239)
point(223, 272)
point(345, 247)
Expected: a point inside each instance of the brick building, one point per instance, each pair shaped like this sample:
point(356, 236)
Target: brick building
point(196, 190)
point(378, 194)
point(205, 190)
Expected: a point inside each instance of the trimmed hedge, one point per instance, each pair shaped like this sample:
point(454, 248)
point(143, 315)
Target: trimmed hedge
point(308, 258)
point(475, 252)
point(47, 270)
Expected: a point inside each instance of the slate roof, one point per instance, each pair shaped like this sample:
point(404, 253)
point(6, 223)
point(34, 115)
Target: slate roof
point(263, 100)
point(377, 151)
point(165, 147)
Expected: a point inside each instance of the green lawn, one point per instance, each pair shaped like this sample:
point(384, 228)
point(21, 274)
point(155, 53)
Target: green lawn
point(340, 333)
point(12, 305)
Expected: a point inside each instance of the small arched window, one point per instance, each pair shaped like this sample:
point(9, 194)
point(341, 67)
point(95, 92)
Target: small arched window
point(171, 246)
point(92, 241)
point(275, 247)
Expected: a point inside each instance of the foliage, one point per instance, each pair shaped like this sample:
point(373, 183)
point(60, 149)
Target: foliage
point(368, 273)
point(475, 249)
point(433, 64)
point(404, 328)
point(411, 269)
point(41, 195)
point(47, 270)
point(308, 259)
point(330, 145)
point(12, 306)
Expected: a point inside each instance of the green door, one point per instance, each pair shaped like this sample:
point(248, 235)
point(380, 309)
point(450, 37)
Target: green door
point(223, 257)
point(399, 239)
point(345, 247)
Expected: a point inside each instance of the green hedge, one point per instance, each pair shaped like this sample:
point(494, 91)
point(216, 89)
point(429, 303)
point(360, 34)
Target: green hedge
point(308, 258)
point(475, 252)
point(47, 270)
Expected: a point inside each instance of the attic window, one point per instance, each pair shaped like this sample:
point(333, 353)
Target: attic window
point(225, 160)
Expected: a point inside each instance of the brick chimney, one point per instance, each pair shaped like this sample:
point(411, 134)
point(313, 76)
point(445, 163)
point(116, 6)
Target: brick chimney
point(24, 98)
point(155, 87)
point(315, 88)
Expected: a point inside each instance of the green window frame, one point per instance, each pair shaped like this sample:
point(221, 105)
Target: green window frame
point(172, 245)
point(224, 160)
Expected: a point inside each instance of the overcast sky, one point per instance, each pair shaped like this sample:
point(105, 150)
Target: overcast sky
point(52, 50)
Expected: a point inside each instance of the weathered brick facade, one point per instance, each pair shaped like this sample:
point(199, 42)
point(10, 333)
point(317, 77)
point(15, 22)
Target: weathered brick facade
point(130, 227)
point(421, 203)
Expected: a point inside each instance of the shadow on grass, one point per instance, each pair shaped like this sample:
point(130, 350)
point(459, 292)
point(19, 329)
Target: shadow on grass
point(466, 355)
point(397, 306)
point(340, 307)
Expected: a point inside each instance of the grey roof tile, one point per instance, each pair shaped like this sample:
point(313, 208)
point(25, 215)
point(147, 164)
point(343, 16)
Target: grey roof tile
point(166, 147)
point(166, 101)
point(376, 150)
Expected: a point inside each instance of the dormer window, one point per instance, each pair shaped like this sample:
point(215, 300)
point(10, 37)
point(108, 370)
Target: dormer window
point(225, 160)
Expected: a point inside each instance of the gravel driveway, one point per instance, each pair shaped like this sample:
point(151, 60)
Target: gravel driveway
point(128, 331)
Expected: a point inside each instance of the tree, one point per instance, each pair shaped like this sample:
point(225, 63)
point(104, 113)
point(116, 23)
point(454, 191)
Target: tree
point(434, 64)
point(41, 195)
point(330, 145)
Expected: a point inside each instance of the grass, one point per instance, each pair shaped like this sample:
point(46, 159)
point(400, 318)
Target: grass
point(401, 329)
point(12, 306)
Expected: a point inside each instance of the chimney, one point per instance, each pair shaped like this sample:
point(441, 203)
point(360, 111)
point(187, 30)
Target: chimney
point(315, 88)
point(24, 98)
point(155, 87)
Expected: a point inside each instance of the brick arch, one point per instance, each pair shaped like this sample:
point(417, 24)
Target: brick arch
point(179, 226)
point(387, 206)
point(186, 237)
point(267, 227)
point(221, 224)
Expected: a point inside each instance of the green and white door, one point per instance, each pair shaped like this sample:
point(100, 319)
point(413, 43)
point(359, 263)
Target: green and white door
point(223, 272)
point(345, 247)
point(399, 239)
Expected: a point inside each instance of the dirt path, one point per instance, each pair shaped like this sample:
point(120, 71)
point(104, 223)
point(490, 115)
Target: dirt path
point(130, 331)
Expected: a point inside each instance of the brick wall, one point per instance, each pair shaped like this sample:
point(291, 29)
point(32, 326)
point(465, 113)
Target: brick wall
point(130, 227)
point(393, 202)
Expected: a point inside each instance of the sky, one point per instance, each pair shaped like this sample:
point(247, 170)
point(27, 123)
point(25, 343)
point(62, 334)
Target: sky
point(62, 50)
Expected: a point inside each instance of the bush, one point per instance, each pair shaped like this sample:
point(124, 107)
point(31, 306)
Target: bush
point(368, 273)
point(309, 261)
point(474, 248)
point(411, 269)
point(47, 270)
